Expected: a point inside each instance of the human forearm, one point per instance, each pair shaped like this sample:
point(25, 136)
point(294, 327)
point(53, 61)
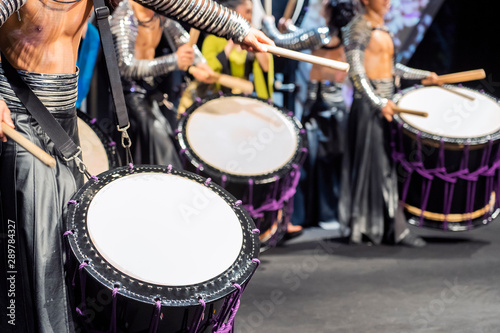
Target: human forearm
point(205, 15)
point(298, 40)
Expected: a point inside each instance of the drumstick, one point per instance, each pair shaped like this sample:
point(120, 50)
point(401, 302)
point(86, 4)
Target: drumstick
point(194, 34)
point(229, 81)
point(290, 6)
point(412, 112)
point(473, 75)
point(269, 7)
point(279, 51)
point(458, 93)
point(28, 145)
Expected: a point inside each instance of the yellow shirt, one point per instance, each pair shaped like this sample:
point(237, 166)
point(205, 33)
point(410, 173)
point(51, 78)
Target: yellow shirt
point(213, 46)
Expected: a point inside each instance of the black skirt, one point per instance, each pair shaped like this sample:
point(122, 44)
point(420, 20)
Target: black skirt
point(369, 204)
point(150, 131)
point(324, 118)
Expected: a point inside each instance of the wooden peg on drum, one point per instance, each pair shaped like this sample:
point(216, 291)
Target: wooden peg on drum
point(285, 53)
point(398, 110)
point(28, 145)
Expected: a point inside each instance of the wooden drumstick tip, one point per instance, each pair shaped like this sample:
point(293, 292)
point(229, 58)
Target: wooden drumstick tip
point(29, 146)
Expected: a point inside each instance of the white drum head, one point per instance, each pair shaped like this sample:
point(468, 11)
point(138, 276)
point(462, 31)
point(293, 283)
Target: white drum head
point(93, 152)
point(451, 115)
point(164, 229)
point(241, 136)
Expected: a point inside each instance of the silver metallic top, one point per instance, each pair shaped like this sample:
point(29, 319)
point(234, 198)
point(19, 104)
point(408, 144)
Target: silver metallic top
point(296, 39)
point(57, 92)
point(206, 15)
point(409, 73)
point(357, 35)
point(124, 26)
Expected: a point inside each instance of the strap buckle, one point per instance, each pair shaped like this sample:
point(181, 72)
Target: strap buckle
point(102, 13)
point(126, 142)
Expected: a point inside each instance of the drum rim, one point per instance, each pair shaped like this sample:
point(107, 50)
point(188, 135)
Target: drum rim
point(437, 138)
point(214, 171)
point(211, 290)
point(107, 141)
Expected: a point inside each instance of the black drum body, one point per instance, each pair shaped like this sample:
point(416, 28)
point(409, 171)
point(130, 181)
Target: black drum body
point(131, 271)
point(448, 171)
point(260, 149)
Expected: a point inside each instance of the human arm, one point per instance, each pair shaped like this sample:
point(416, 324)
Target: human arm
point(300, 39)
point(357, 35)
point(124, 27)
point(209, 16)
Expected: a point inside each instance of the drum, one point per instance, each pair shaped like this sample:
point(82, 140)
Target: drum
point(98, 149)
point(251, 148)
point(153, 249)
point(449, 161)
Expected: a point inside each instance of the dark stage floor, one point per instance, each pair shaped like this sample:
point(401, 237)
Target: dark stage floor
point(317, 285)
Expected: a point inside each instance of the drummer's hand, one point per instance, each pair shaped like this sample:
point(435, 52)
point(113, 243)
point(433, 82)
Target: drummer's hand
point(206, 75)
point(283, 24)
point(431, 80)
point(185, 56)
point(387, 110)
point(256, 41)
point(5, 117)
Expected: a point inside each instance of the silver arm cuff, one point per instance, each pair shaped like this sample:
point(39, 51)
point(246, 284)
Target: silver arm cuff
point(179, 37)
point(9, 7)
point(206, 15)
point(408, 73)
point(124, 29)
point(357, 35)
point(299, 40)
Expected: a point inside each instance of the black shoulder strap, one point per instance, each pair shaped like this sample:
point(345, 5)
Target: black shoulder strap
point(102, 16)
point(49, 124)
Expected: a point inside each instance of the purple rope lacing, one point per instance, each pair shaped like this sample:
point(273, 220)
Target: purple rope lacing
point(450, 178)
point(72, 202)
point(226, 327)
point(255, 231)
point(286, 190)
point(112, 144)
point(200, 317)
point(131, 167)
point(83, 279)
point(156, 318)
point(207, 182)
point(223, 181)
point(94, 178)
point(93, 121)
point(169, 168)
point(112, 324)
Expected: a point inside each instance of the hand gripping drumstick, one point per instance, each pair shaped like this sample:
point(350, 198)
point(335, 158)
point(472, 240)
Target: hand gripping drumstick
point(477, 74)
point(229, 81)
point(279, 51)
point(412, 112)
point(28, 145)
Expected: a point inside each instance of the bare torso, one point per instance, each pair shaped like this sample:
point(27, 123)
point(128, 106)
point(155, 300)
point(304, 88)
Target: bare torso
point(379, 56)
point(148, 33)
point(46, 39)
point(320, 73)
